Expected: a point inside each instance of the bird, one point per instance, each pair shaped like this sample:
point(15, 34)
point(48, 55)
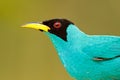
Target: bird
point(84, 56)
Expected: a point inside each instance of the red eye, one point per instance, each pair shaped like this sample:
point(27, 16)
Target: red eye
point(57, 25)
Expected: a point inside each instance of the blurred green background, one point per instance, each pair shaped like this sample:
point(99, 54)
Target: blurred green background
point(26, 54)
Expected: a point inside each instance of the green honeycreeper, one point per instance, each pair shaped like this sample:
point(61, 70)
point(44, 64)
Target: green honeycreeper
point(85, 57)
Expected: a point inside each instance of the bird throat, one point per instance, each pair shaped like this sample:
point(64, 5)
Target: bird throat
point(73, 37)
point(66, 49)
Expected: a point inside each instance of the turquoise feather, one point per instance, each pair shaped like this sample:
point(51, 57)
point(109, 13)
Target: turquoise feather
point(78, 53)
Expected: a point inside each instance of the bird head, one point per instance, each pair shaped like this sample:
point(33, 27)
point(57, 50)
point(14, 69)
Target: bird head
point(57, 27)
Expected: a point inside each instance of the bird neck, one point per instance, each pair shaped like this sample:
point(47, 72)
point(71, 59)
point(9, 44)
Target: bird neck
point(74, 34)
point(70, 51)
point(75, 37)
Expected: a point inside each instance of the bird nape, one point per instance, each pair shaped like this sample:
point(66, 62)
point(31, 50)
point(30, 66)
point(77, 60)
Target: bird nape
point(85, 57)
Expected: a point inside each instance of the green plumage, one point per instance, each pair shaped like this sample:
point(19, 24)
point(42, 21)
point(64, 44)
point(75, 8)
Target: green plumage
point(85, 57)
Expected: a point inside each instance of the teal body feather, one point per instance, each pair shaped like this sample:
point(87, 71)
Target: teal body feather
point(85, 57)
point(78, 53)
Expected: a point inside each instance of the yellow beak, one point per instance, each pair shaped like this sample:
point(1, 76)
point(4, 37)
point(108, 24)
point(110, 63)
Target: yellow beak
point(37, 26)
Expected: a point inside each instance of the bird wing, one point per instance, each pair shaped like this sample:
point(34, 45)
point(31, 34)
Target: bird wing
point(103, 47)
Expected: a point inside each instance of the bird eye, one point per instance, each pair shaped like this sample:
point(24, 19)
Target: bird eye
point(57, 25)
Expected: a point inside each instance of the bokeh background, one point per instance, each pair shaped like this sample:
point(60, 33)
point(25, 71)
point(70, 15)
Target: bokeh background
point(26, 54)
